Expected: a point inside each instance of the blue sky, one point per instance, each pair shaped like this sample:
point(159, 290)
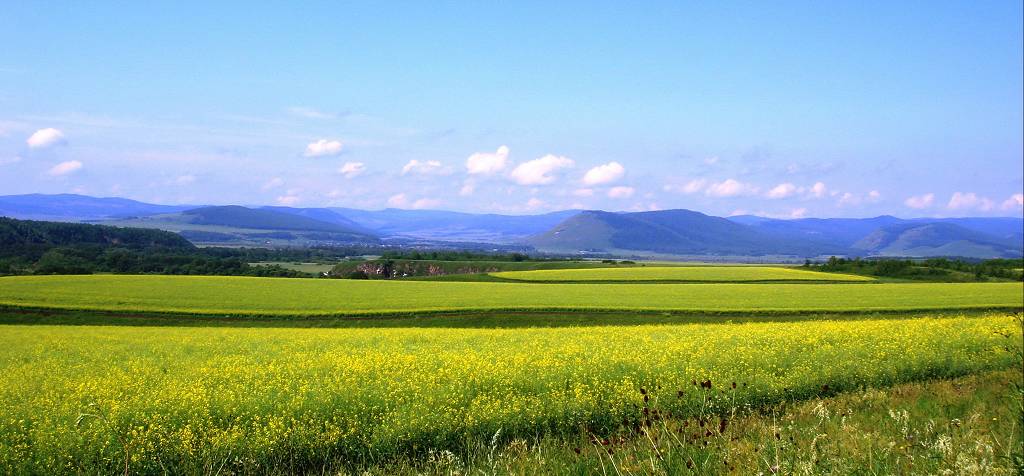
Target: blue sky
point(780, 109)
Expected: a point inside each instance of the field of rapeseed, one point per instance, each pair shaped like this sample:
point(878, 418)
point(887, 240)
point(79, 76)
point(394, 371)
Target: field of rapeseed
point(681, 273)
point(298, 297)
point(176, 400)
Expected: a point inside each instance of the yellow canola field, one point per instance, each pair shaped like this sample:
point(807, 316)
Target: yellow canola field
point(185, 400)
point(682, 273)
point(298, 297)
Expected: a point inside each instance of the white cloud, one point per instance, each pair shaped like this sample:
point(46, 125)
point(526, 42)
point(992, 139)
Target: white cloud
point(44, 138)
point(426, 203)
point(729, 188)
point(583, 192)
point(967, 201)
point(288, 200)
point(689, 188)
point(468, 187)
point(818, 190)
point(798, 213)
point(849, 199)
point(429, 167)
point(604, 174)
point(323, 148)
point(534, 203)
point(11, 160)
point(185, 179)
point(1015, 201)
point(310, 113)
point(352, 169)
point(398, 200)
point(272, 183)
point(874, 196)
point(782, 190)
point(65, 168)
point(621, 192)
point(920, 201)
point(487, 163)
point(540, 171)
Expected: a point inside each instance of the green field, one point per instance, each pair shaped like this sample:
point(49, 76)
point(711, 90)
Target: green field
point(191, 400)
point(310, 297)
point(680, 273)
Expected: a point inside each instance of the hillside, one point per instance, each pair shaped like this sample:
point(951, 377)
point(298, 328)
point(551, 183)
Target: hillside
point(70, 207)
point(240, 225)
point(678, 232)
point(936, 239)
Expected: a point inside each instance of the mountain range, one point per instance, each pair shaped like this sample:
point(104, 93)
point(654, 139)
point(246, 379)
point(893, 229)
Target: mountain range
point(657, 233)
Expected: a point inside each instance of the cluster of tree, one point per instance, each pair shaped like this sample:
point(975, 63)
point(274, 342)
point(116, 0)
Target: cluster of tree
point(927, 269)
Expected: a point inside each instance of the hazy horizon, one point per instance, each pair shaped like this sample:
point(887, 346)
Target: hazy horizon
point(784, 110)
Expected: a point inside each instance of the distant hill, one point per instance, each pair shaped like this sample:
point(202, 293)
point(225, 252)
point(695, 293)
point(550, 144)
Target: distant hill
point(839, 231)
point(936, 239)
point(325, 215)
point(70, 207)
point(19, 237)
point(677, 232)
point(453, 226)
point(234, 224)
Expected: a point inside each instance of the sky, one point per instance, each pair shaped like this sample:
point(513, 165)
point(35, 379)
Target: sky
point(816, 109)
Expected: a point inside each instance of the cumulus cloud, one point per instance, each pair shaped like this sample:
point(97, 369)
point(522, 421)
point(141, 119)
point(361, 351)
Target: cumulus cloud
point(352, 169)
point(65, 168)
point(604, 174)
point(426, 203)
point(487, 163)
point(874, 196)
point(729, 188)
point(44, 138)
point(1015, 201)
point(782, 190)
point(818, 190)
point(323, 148)
point(621, 192)
point(534, 203)
point(429, 167)
point(468, 187)
point(398, 200)
point(288, 200)
point(689, 188)
point(920, 201)
point(272, 183)
point(797, 213)
point(848, 198)
point(968, 201)
point(540, 171)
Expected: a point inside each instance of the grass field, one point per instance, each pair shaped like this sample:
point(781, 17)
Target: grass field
point(203, 400)
point(310, 297)
point(681, 273)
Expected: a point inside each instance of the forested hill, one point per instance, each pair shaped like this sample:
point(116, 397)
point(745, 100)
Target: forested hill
point(17, 236)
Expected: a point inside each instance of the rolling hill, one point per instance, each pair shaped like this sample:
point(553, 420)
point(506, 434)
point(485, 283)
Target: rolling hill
point(676, 232)
point(936, 239)
point(70, 207)
point(234, 224)
point(453, 226)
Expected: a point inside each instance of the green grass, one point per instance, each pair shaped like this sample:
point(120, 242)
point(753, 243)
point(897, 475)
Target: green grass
point(681, 273)
point(950, 426)
point(98, 400)
point(306, 297)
